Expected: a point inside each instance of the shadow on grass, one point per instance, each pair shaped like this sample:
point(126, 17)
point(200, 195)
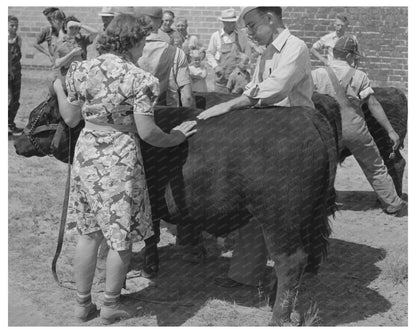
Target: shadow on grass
point(340, 289)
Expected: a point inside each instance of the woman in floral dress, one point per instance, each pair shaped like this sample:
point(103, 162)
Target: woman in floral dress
point(109, 197)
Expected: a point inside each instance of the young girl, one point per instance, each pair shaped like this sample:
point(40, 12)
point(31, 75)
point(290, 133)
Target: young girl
point(198, 72)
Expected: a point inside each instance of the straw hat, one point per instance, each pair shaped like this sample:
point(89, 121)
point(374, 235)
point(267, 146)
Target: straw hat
point(228, 15)
point(107, 11)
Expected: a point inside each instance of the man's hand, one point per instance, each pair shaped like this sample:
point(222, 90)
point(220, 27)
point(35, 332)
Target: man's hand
point(214, 111)
point(394, 137)
point(77, 51)
point(219, 71)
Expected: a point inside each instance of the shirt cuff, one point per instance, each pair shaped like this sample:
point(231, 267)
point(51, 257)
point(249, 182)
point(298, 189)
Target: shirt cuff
point(366, 92)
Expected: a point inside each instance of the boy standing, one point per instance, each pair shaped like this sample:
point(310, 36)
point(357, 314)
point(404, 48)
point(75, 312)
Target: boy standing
point(15, 72)
point(240, 76)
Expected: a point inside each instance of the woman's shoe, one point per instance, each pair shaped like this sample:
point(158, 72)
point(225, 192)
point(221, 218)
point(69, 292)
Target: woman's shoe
point(110, 313)
point(87, 312)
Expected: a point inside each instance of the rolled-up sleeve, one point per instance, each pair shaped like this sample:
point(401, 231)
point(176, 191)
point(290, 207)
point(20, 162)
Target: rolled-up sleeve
point(289, 71)
point(365, 88)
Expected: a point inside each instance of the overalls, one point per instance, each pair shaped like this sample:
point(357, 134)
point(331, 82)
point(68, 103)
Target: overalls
point(229, 53)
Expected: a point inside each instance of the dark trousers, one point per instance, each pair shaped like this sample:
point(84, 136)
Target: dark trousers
point(14, 96)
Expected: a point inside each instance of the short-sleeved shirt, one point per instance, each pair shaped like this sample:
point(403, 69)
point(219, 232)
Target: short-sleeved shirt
point(66, 45)
point(327, 43)
point(100, 85)
point(179, 73)
point(285, 79)
point(49, 35)
point(238, 81)
point(359, 86)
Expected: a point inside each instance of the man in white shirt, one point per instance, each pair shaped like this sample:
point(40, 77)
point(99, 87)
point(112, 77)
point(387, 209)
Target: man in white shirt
point(328, 41)
point(282, 77)
point(224, 49)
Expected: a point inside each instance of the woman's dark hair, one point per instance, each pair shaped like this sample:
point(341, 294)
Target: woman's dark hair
point(68, 19)
point(124, 32)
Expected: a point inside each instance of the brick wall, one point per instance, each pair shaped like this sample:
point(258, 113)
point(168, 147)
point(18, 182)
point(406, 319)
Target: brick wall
point(382, 33)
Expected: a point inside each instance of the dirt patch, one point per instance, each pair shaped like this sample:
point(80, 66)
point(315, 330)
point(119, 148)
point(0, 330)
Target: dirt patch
point(363, 282)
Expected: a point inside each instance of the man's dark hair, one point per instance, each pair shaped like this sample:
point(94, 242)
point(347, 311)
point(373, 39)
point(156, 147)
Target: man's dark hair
point(13, 18)
point(276, 10)
point(57, 15)
point(49, 10)
point(169, 12)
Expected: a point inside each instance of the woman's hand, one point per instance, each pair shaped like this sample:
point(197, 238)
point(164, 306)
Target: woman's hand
point(186, 128)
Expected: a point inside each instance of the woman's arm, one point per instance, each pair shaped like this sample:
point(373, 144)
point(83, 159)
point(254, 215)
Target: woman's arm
point(153, 135)
point(71, 113)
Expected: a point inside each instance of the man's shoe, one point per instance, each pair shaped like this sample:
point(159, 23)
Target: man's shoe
point(87, 312)
point(400, 211)
point(226, 282)
point(110, 313)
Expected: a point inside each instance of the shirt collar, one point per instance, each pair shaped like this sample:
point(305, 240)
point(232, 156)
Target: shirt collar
point(222, 33)
point(154, 37)
point(281, 39)
point(339, 63)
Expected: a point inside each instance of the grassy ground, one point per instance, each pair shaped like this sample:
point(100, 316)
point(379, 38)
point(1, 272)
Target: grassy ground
point(363, 282)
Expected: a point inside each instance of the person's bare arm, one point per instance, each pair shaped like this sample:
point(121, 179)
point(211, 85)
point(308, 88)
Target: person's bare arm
point(71, 113)
point(236, 103)
point(67, 59)
point(153, 135)
point(378, 113)
point(318, 56)
point(187, 97)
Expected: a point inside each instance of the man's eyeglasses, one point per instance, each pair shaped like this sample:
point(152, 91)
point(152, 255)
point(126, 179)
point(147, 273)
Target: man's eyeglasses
point(253, 26)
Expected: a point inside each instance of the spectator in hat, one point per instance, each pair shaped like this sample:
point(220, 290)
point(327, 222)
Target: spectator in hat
point(14, 72)
point(282, 77)
point(165, 31)
point(72, 46)
point(107, 14)
point(50, 34)
point(356, 136)
point(184, 40)
point(224, 47)
point(328, 41)
point(198, 71)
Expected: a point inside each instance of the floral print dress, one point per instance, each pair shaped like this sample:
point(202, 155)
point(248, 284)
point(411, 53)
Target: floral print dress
point(108, 186)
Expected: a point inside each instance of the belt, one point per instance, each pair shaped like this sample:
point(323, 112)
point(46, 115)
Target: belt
point(110, 127)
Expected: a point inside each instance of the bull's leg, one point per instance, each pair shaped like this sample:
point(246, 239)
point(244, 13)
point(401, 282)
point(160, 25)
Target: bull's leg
point(289, 270)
